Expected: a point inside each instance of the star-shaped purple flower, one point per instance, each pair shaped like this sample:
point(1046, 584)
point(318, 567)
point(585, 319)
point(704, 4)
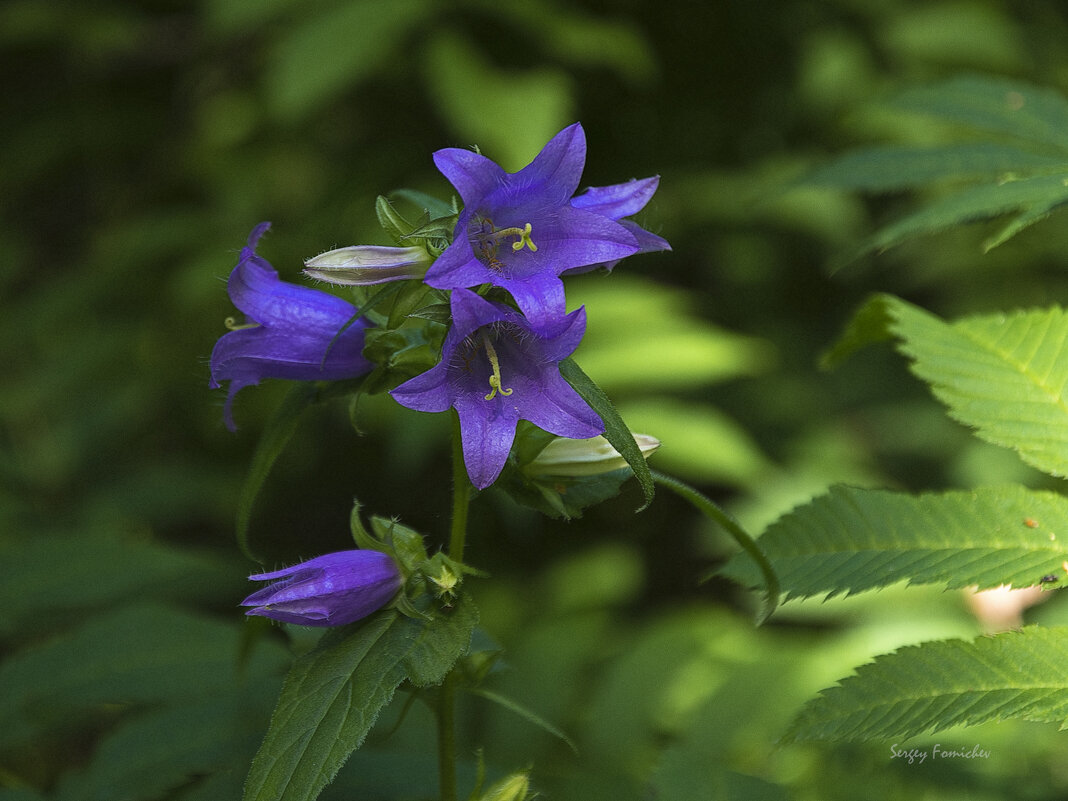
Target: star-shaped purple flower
point(521, 230)
point(329, 590)
point(293, 331)
point(497, 368)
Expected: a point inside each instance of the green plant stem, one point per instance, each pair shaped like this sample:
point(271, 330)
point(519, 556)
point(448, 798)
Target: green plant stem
point(461, 499)
point(710, 509)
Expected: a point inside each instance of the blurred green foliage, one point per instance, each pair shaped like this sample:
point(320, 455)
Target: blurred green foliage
point(143, 141)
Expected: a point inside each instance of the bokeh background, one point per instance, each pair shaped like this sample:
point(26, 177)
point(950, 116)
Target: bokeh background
point(142, 141)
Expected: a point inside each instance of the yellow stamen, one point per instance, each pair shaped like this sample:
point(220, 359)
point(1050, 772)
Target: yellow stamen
point(495, 379)
point(523, 241)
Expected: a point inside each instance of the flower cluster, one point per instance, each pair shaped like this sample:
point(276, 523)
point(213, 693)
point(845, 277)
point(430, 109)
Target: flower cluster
point(516, 235)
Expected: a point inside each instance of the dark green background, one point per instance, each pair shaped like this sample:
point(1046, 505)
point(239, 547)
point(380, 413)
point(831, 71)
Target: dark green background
point(141, 143)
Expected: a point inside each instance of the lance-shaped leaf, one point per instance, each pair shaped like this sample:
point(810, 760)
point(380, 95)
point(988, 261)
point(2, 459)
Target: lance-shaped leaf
point(936, 685)
point(333, 695)
point(1005, 375)
point(851, 540)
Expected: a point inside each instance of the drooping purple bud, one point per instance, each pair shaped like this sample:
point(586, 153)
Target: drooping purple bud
point(329, 590)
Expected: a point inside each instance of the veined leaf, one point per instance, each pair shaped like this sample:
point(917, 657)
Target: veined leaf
point(851, 540)
point(1034, 197)
point(1022, 164)
point(333, 695)
point(936, 685)
point(1005, 375)
point(995, 106)
point(881, 169)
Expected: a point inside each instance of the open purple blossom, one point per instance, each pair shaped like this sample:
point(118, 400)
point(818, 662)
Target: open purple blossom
point(293, 331)
point(520, 230)
point(497, 367)
point(616, 202)
point(329, 590)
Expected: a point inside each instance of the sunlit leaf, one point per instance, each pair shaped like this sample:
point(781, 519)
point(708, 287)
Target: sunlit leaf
point(936, 685)
point(851, 540)
point(1005, 375)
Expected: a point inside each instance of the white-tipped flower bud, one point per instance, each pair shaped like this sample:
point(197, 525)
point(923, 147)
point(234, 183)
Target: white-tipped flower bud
point(585, 457)
point(362, 265)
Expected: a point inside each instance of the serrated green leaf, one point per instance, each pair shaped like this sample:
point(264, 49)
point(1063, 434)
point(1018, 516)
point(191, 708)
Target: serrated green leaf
point(53, 577)
point(851, 540)
point(165, 656)
point(881, 169)
point(616, 431)
point(156, 752)
point(1004, 375)
point(277, 433)
point(391, 220)
point(1033, 197)
point(936, 685)
point(333, 695)
point(995, 105)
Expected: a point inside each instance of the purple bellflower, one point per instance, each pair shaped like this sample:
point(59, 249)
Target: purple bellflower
point(521, 231)
point(294, 331)
point(497, 368)
point(329, 590)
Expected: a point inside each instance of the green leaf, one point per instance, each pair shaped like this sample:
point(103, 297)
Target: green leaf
point(881, 169)
point(434, 207)
point(616, 431)
point(851, 540)
point(998, 106)
point(1033, 197)
point(166, 657)
point(1005, 375)
point(333, 695)
point(277, 433)
point(346, 42)
point(936, 685)
point(51, 578)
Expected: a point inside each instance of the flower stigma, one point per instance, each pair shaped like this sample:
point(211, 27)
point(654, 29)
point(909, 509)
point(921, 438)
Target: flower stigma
point(232, 324)
point(495, 378)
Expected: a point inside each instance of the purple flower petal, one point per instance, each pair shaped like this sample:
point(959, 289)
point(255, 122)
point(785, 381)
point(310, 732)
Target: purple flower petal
point(330, 590)
point(295, 332)
point(521, 231)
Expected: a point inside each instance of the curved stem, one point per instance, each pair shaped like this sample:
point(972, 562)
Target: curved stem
point(461, 499)
point(710, 509)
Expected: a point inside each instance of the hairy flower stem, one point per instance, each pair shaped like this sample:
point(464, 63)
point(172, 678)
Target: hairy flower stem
point(461, 497)
point(710, 509)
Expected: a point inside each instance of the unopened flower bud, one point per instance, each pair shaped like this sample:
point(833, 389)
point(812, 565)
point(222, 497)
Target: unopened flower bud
point(362, 265)
point(329, 590)
point(585, 457)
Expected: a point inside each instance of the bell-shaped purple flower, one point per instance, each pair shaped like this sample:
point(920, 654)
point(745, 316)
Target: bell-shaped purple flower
point(520, 231)
point(293, 332)
point(329, 590)
point(497, 367)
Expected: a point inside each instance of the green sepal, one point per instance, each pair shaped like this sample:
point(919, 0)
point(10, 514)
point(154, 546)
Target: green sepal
point(400, 354)
point(392, 221)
